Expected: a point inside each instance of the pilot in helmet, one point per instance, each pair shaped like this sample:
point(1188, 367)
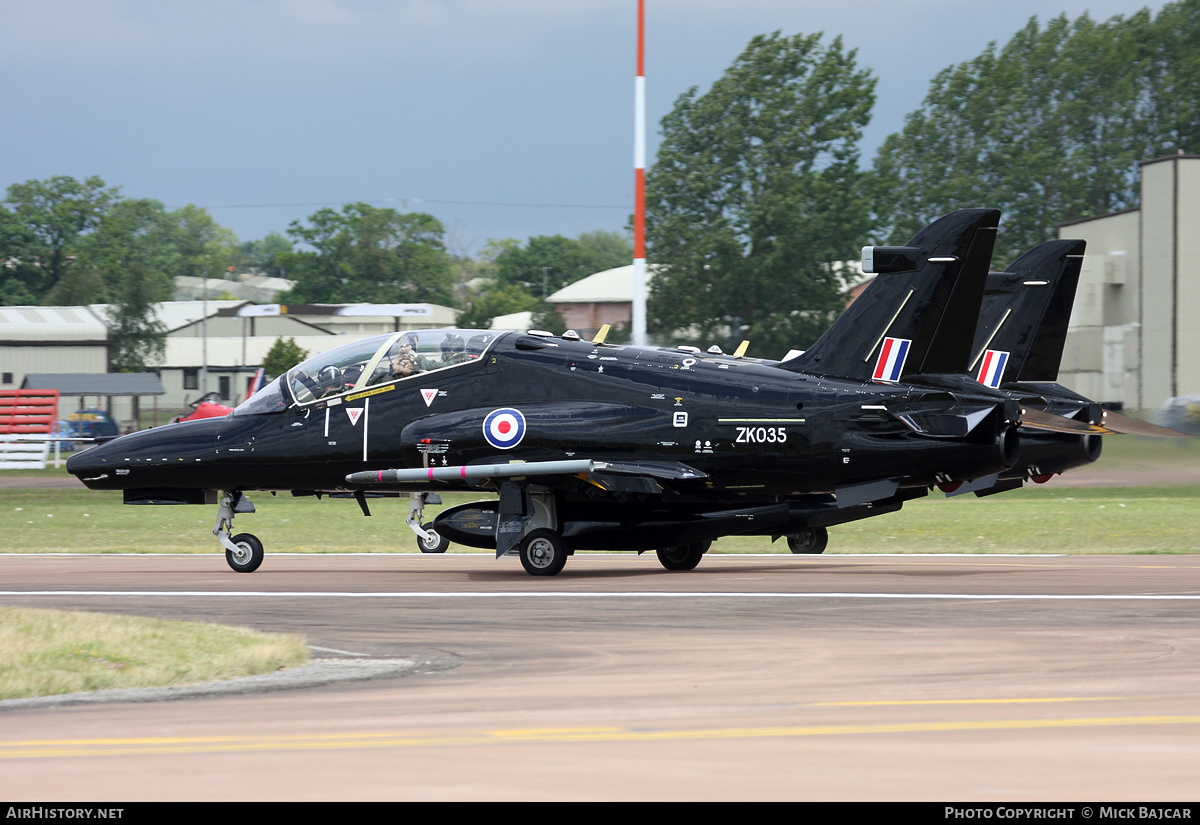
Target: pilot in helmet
point(330, 381)
point(478, 344)
point(454, 349)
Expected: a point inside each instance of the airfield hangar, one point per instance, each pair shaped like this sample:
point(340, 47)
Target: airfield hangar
point(1134, 335)
point(211, 346)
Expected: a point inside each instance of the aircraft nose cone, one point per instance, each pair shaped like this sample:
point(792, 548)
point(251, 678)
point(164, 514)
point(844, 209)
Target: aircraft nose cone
point(90, 464)
point(148, 457)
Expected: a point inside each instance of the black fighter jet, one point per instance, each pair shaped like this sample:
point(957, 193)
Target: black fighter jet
point(1018, 349)
point(592, 445)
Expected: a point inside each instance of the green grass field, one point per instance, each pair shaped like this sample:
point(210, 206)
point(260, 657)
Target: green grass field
point(1164, 519)
point(44, 652)
point(1067, 520)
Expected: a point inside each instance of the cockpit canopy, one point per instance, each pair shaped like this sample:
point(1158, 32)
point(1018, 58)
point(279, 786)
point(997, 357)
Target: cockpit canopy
point(366, 363)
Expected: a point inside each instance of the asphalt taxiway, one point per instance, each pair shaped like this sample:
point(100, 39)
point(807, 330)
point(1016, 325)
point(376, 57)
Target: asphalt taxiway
point(752, 677)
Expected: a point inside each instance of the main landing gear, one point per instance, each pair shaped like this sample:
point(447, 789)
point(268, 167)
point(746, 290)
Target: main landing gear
point(243, 552)
point(813, 541)
point(683, 556)
point(543, 553)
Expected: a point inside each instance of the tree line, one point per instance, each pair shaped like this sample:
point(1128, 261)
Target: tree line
point(757, 195)
point(65, 241)
point(758, 192)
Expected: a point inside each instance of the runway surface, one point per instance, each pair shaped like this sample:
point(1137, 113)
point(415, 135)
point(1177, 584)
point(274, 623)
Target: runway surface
point(753, 677)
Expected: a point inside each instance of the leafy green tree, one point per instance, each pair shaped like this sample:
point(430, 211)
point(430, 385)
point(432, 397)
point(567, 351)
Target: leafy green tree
point(138, 340)
point(282, 356)
point(1174, 78)
point(56, 214)
point(496, 299)
point(134, 239)
point(22, 280)
point(547, 263)
point(128, 261)
point(266, 254)
point(547, 317)
point(1047, 128)
point(756, 193)
point(206, 249)
point(368, 254)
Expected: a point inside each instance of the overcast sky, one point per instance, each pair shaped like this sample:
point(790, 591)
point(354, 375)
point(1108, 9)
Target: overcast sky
point(504, 118)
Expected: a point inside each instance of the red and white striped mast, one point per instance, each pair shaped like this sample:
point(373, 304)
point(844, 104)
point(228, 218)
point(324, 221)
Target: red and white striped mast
point(639, 184)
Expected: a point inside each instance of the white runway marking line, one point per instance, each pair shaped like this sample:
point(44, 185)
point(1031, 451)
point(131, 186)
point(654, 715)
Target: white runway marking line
point(613, 555)
point(566, 594)
point(335, 650)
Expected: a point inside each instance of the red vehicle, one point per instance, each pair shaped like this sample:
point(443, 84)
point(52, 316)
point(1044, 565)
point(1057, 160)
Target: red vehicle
point(208, 406)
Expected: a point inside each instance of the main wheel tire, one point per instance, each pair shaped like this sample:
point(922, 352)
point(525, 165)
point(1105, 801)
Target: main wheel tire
point(249, 555)
point(682, 556)
point(543, 553)
point(812, 541)
point(438, 544)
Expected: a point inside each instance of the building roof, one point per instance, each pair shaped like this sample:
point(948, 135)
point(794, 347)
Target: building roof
point(616, 285)
point(519, 321)
point(104, 383)
point(609, 286)
point(176, 314)
point(258, 287)
point(51, 324)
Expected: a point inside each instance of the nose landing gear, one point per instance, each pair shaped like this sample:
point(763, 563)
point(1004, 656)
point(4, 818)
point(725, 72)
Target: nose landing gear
point(248, 555)
point(243, 552)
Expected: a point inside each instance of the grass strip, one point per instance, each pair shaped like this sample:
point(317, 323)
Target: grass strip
point(49, 652)
point(1031, 520)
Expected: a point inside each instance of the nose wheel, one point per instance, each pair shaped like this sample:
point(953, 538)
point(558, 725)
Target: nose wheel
point(432, 541)
point(247, 555)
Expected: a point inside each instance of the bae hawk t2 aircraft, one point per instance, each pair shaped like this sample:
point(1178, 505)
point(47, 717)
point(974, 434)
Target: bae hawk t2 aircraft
point(595, 446)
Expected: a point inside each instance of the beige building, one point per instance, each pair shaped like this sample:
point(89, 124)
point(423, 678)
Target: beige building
point(211, 346)
point(603, 298)
point(220, 352)
point(1134, 336)
point(50, 339)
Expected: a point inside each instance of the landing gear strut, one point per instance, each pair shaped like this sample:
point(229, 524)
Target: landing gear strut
point(428, 539)
point(243, 552)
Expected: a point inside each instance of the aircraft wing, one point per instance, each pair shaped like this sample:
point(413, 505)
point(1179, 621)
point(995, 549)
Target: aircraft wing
point(1124, 424)
point(591, 470)
point(1048, 422)
point(957, 421)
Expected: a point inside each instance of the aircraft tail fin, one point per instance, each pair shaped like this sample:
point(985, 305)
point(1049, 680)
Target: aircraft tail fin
point(1023, 321)
point(919, 314)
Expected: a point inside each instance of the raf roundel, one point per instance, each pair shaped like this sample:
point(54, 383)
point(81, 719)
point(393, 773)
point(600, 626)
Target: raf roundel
point(504, 428)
